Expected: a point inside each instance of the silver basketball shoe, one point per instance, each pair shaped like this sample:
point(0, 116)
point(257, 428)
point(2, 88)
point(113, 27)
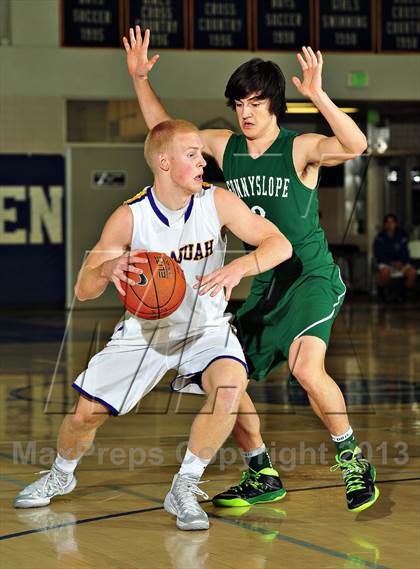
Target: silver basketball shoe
point(39, 493)
point(181, 501)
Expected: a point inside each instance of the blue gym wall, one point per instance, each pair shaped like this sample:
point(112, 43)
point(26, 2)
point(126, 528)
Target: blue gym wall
point(32, 229)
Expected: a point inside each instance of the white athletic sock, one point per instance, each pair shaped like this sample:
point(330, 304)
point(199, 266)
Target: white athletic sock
point(343, 437)
point(193, 465)
point(67, 466)
point(254, 452)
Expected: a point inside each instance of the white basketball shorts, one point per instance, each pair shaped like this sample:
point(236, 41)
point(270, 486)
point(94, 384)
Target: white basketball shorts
point(125, 371)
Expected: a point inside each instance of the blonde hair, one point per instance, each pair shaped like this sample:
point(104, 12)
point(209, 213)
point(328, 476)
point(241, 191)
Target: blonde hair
point(161, 135)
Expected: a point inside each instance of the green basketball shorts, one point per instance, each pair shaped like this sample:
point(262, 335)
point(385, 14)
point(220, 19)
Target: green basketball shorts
point(275, 315)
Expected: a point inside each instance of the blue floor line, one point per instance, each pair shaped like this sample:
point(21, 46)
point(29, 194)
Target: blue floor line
point(243, 525)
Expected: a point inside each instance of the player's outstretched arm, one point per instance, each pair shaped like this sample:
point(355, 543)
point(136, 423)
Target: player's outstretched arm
point(348, 140)
point(110, 259)
point(139, 66)
point(272, 247)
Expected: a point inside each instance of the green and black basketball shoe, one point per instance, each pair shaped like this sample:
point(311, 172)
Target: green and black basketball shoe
point(254, 488)
point(359, 477)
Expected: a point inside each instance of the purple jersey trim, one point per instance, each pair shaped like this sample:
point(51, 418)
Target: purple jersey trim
point(155, 208)
point(189, 209)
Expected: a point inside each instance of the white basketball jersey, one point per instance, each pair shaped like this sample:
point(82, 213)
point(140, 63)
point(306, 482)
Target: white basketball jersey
point(193, 237)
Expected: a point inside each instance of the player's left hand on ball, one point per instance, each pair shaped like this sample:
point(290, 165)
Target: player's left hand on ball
point(226, 278)
point(115, 270)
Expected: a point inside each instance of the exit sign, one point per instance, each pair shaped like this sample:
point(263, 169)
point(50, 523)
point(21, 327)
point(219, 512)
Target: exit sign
point(358, 79)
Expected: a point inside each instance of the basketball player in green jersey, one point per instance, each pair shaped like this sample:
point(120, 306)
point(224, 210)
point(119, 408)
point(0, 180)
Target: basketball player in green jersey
point(290, 310)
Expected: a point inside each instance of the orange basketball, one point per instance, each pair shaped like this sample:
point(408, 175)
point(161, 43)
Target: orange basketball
point(158, 291)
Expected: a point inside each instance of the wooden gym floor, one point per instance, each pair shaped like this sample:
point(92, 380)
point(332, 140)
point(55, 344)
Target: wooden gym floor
point(115, 518)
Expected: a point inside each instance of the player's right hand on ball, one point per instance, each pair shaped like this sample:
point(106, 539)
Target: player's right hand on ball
point(115, 270)
point(137, 60)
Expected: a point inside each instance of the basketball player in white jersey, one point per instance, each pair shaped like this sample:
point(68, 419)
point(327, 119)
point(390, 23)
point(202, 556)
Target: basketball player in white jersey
point(186, 219)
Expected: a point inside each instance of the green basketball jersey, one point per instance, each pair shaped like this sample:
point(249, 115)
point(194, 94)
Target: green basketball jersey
point(270, 186)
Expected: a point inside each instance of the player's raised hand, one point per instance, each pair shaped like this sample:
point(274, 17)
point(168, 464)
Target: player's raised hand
point(138, 62)
point(225, 278)
point(115, 269)
point(311, 65)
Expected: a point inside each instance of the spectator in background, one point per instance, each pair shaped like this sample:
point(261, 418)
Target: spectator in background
point(392, 257)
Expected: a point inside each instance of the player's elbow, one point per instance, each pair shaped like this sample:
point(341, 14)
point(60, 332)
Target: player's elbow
point(288, 250)
point(358, 146)
point(80, 293)
point(363, 144)
point(285, 248)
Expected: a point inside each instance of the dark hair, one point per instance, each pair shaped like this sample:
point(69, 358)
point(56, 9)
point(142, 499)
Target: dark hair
point(258, 76)
point(390, 216)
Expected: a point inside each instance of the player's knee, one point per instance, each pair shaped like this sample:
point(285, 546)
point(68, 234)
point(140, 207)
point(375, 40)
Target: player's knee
point(227, 399)
point(228, 392)
point(308, 376)
point(86, 420)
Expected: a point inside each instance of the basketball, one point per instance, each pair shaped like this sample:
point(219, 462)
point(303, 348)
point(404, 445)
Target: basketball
point(160, 289)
